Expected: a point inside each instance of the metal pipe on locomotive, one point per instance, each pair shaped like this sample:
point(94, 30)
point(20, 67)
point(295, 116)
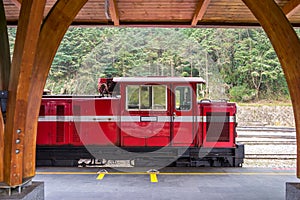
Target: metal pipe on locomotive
point(149, 120)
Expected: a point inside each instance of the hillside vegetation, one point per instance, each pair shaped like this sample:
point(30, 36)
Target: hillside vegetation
point(238, 64)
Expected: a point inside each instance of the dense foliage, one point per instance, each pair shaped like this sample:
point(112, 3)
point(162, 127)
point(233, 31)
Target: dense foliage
point(239, 64)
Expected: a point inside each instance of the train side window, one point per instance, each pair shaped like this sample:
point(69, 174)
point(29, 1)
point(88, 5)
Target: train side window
point(159, 97)
point(183, 98)
point(132, 93)
point(146, 97)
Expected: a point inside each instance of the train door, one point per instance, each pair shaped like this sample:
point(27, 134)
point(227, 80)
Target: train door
point(60, 129)
point(44, 135)
point(145, 116)
point(183, 116)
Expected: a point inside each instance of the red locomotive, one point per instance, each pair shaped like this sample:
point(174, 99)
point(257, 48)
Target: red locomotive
point(148, 120)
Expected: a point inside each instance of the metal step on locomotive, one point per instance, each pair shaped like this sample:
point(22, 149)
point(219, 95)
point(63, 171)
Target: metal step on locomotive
point(156, 121)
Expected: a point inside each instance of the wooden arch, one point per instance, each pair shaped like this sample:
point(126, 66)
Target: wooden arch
point(287, 46)
point(36, 44)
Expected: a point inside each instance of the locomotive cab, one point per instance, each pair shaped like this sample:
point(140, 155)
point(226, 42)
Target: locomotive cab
point(158, 112)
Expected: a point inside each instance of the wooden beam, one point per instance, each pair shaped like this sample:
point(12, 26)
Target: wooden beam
point(291, 7)
point(114, 13)
point(200, 11)
point(1, 149)
point(4, 77)
point(53, 29)
point(17, 3)
point(5, 50)
point(30, 20)
point(287, 46)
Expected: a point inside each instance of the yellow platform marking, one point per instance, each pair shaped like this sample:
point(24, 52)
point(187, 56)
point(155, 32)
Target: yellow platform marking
point(66, 173)
point(153, 178)
point(101, 173)
point(100, 176)
point(175, 173)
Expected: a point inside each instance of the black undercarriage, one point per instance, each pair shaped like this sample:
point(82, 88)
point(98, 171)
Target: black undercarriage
point(149, 157)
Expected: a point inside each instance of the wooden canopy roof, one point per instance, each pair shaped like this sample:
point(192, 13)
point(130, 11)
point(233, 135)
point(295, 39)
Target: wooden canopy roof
point(184, 13)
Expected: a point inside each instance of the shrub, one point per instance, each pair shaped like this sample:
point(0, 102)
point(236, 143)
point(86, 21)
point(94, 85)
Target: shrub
point(241, 93)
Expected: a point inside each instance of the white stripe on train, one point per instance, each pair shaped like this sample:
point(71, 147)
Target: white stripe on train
point(112, 118)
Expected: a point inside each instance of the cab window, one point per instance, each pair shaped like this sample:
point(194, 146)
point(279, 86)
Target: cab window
point(146, 97)
point(183, 97)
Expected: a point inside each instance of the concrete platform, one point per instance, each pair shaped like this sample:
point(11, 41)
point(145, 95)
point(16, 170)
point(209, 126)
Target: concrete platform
point(172, 183)
point(32, 191)
point(292, 191)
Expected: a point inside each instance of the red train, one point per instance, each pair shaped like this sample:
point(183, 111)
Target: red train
point(149, 120)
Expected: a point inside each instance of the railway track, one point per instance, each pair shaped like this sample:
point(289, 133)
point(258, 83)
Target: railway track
point(271, 156)
point(268, 142)
point(266, 129)
point(266, 136)
point(268, 147)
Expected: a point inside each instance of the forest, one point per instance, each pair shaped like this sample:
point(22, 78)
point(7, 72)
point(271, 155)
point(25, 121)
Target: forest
point(237, 64)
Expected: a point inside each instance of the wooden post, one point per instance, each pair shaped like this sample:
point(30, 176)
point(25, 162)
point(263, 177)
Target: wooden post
point(4, 77)
point(30, 20)
point(53, 29)
point(287, 46)
point(5, 53)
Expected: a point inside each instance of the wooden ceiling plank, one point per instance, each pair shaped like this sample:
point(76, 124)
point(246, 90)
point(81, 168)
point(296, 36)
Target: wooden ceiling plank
point(17, 3)
point(200, 11)
point(142, 9)
point(114, 12)
point(291, 7)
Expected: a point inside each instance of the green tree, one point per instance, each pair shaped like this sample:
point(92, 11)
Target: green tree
point(69, 56)
point(140, 52)
point(235, 62)
point(257, 60)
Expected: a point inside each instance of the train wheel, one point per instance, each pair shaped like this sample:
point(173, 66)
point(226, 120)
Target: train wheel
point(131, 162)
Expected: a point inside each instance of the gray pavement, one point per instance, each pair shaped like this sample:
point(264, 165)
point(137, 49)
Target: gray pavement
point(173, 183)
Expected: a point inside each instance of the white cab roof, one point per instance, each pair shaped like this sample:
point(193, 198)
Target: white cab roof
point(158, 79)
